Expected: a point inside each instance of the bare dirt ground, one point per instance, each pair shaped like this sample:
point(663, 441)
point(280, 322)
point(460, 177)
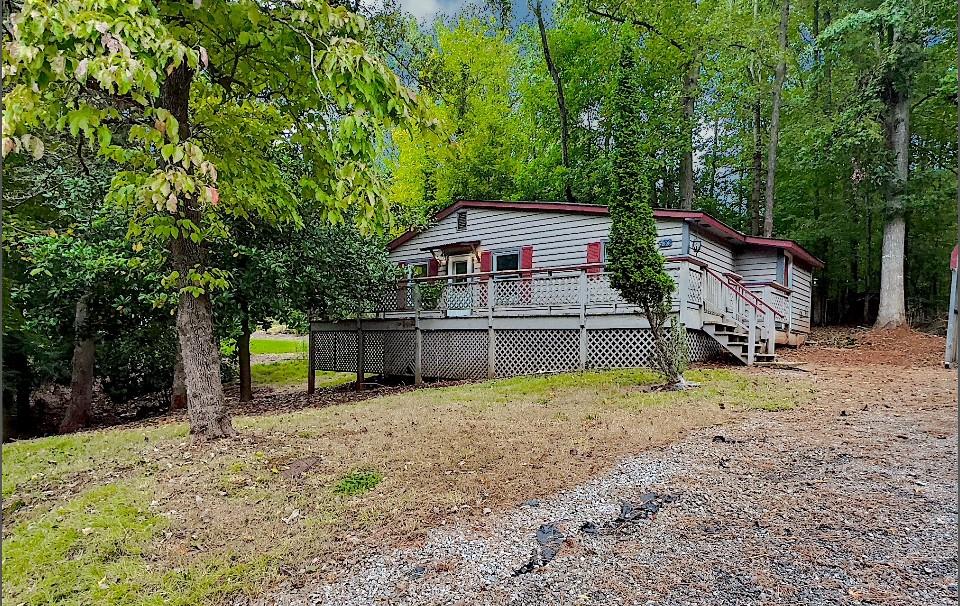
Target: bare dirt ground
point(849, 499)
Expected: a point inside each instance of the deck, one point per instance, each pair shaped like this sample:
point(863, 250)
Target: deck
point(542, 320)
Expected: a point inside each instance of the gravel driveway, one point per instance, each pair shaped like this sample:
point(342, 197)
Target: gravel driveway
point(851, 500)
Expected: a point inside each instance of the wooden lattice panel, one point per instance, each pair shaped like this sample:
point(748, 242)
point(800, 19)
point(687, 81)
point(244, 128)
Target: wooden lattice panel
point(373, 351)
point(702, 346)
point(619, 348)
point(335, 350)
point(521, 352)
point(695, 290)
point(399, 348)
point(455, 354)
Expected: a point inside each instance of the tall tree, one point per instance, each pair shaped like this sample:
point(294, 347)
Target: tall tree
point(779, 76)
point(634, 261)
point(189, 97)
point(888, 42)
point(562, 110)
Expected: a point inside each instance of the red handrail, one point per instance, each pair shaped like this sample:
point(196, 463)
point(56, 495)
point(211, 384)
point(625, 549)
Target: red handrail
point(741, 291)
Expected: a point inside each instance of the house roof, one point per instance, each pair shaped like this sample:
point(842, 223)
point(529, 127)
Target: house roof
point(702, 220)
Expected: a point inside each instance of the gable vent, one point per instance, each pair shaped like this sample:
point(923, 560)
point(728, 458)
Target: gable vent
point(461, 220)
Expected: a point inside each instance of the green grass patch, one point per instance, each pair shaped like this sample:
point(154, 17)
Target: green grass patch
point(294, 372)
point(260, 345)
point(88, 551)
point(93, 548)
point(46, 460)
point(358, 482)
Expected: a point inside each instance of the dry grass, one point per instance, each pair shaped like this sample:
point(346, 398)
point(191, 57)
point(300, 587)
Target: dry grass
point(237, 515)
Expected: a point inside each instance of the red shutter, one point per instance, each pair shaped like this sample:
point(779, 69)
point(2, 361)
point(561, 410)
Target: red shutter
point(526, 259)
point(593, 256)
point(433, 267)
point(486, 262)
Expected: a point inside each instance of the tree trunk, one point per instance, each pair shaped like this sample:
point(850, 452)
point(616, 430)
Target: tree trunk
point(209, 417)
point(690, 80)
point(779, 76)
point(178, 395)
point(243, 351)
point(561, 101)
point(757, 169)
point(713, 160)
point(81, 379)
point(892, 312)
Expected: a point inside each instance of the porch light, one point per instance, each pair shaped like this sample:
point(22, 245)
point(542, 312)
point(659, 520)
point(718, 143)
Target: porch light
point(695, 245)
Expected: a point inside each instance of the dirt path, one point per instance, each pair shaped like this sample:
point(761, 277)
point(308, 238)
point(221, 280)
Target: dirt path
point(850, 500)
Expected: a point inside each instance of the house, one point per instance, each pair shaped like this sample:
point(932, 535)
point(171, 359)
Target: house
point(496, 289)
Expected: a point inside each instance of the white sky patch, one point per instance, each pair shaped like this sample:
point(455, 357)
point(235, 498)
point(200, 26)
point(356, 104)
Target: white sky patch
point(425, 10)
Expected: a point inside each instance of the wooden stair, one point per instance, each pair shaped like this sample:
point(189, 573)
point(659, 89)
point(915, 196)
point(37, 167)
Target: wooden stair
point(735, 339)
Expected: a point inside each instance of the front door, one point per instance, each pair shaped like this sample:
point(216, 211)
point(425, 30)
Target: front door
point(459, 289)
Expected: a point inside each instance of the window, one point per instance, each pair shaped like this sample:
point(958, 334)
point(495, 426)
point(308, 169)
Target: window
point(787, 267)
point(603, 251)
point(461, 220)
point(416, 270)
point(506, 261)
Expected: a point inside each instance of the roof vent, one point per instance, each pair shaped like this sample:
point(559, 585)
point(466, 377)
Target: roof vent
point(461, 220)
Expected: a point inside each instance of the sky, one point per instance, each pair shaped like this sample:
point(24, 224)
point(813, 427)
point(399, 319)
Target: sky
point(424, 10)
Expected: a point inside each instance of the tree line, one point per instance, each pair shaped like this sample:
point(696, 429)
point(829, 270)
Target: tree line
point(178, 174)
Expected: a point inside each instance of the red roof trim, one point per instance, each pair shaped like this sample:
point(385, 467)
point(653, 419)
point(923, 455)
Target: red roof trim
point(699, 218)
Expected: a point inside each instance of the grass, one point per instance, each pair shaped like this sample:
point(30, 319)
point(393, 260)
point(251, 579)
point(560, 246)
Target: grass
point(358, 482)
point(260, 345)
point(139, 517)
point(294, 372)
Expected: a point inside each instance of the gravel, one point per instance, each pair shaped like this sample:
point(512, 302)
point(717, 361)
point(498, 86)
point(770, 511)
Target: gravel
point(789, 508)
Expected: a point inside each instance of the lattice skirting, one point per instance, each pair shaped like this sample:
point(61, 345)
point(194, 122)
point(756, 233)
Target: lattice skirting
point(525, 352)
point(455, 354)
point(463, 354)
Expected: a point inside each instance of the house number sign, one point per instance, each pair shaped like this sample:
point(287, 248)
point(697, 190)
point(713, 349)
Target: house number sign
point(666, 243)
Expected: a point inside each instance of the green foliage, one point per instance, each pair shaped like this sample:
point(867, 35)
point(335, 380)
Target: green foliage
point(256, 75)
point(633, 258)
point(358, 482)
point(471, 153)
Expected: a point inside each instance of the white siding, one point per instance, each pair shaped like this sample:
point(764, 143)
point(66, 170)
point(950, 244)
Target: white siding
point(558, 239)
point(802, 286)
point(718, 256)
point(757, 265)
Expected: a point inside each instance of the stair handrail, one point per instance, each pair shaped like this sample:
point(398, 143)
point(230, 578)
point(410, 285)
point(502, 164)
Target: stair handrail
point(741, 291)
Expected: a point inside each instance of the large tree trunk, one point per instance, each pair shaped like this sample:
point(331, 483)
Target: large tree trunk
point(206, 407)
point(779, 76)
point(243, 352)
point(691, 79)
point(561, 101)
point(81, 379)
point(178, 393)
point(892, 311)
point(757, 169)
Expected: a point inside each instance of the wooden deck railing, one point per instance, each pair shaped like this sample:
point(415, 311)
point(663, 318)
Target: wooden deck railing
point(586, 289)
point(551, 289)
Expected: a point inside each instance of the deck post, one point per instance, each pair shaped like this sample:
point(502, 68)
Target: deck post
point(359, 384)
point(770, 327)
point(491, 334)
point(417, 339)
point(311, 362)
point(683, 291)
point(583, 293)
point(752, 336)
